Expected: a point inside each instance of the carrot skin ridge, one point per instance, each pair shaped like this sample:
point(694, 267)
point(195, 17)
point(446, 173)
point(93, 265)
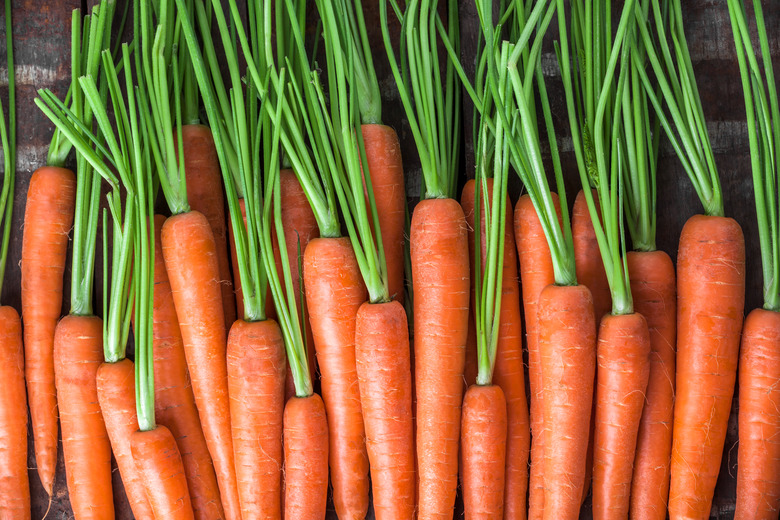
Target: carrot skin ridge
point(758, 466)
point(189, 252)
point(623, 353)
point(160, 466)
point(710, 304)
point(334, 292)
point(116, 395)
point(256, 373)
point(385, 381)
point(440, 273)
point(653, 286)
point(51, 199)
point(174, 402)
point(14, 483)
point(305, 458)
point(567, 347)
point(484, 438)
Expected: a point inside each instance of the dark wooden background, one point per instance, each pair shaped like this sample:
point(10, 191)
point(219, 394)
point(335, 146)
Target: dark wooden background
point(42, 50)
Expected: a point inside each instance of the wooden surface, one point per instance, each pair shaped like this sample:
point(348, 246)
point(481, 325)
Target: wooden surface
point(42, 46)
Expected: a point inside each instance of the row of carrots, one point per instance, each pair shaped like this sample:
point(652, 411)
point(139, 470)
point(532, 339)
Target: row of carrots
point(286, 244)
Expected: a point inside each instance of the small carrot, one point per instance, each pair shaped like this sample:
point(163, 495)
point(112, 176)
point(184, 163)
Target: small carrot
point(590, 266)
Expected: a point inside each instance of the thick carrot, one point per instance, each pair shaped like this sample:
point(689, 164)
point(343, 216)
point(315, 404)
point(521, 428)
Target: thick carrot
point(116, 395)
point(758, 467)
point(334, 292)
point(160, 466)
point(440, 273)
point(48, 218)
point(710, 302)
point(174, 403)
point(653, 288)
point(204, 194)
point(190, 256)
point(536, 273)
point(484, 438)
point(384, 373)
point(567, 348)
point(14, 484)
point(623, 352)
point(256, 364)
point(78, 352)
point(305, 458)
point(383, 155)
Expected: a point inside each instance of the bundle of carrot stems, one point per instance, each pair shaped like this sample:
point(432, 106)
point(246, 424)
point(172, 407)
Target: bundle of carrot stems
point(279, 336)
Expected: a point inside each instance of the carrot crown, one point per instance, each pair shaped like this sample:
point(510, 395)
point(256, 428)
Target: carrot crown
point(763, 118)
point(430, 96)
point(8, 140)
point(594, 107)
point(684, 125)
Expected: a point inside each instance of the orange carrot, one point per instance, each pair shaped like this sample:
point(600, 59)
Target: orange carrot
point(160, 466)
point(567, 348)
point(335, 292)
point(653, 288)
point(305, 458)
point(384, 373)
point(174, 403)
point(14, 484)
point(470, 368)
point(623, 352)
point(48, 218)
point(484, 436)
point(78, 352)
point(710, 302)
point(204, 193)
point(440, 273)
point(758, 488)
point(116, 395)
point(190, 256)
point(256, 364)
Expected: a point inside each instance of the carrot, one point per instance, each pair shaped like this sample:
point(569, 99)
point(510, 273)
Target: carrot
point(78, 353)
point(256, 372)
point(204, 192)
point(47, 220)
point(174, 402)
point(653, 286)
point(567, 350)
point(160, 466)
point(384, 374)
point(334, 293)
point(590, 266)
point(14, 484)
point(623, 371)
point(470, 364)
point(234, 262)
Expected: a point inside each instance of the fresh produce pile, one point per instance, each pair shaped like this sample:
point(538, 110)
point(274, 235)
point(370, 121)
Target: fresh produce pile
point(277, 330)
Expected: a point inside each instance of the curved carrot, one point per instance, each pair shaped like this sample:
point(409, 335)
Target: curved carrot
point(654, 291)
point(758, 467)
point(623, 352)
point(204, 194)
point(174, 403)
point(116, 395)
point(160, 466)
point(440, 274)
point(78, 352)
point(383, 155)
point(384, 372)
point(484, 437)
point(710, 303)
point(305, 458)
point(189, 252)
point(536, 273)
point(48, 218)
point(334, 292)
point(256, 364)
point(14, 484)
point(567, 348)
